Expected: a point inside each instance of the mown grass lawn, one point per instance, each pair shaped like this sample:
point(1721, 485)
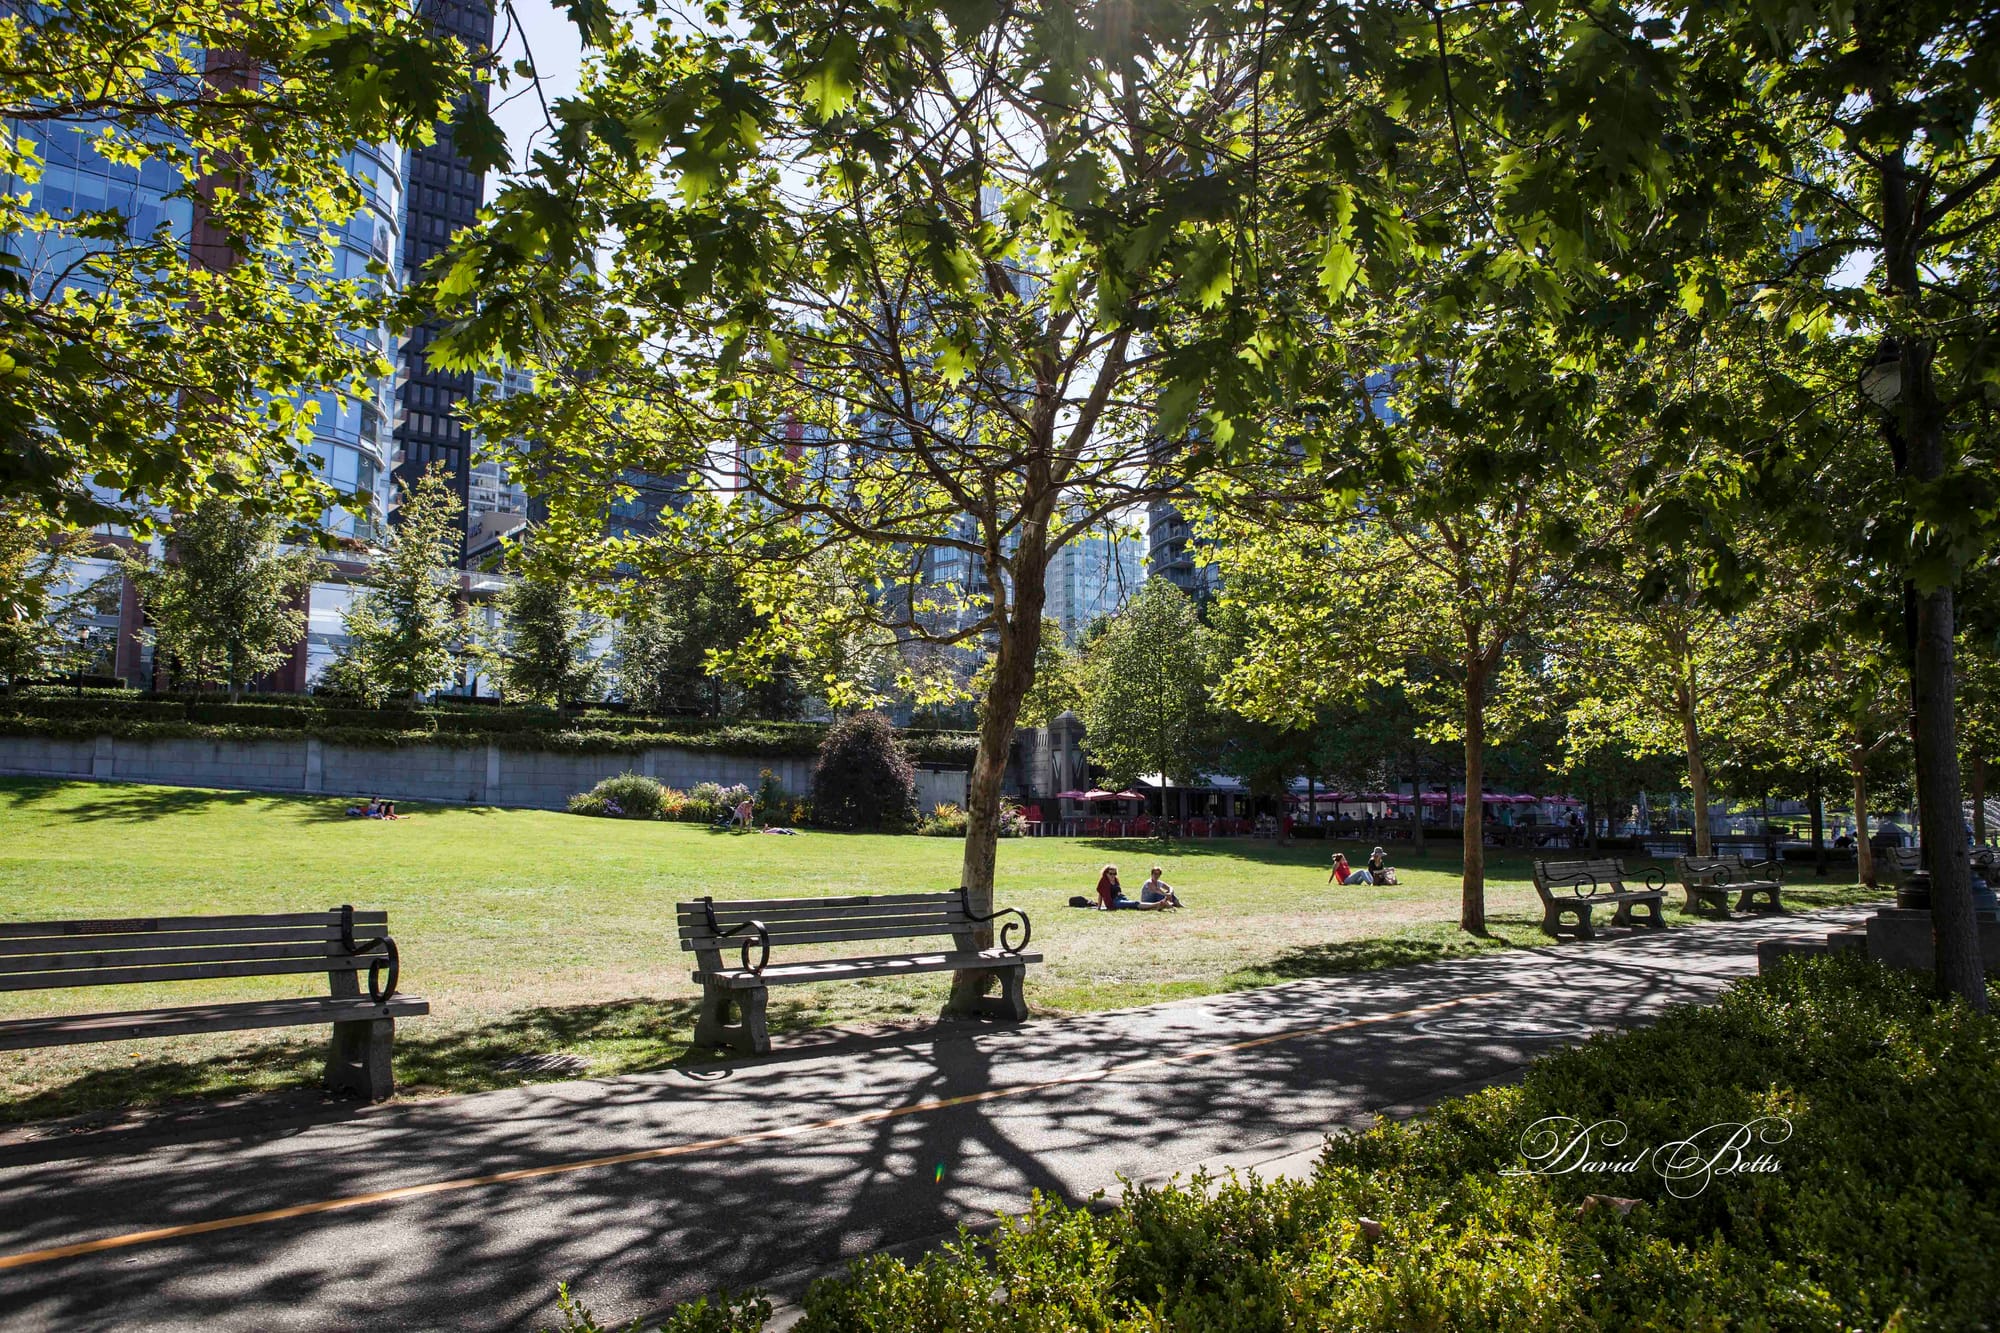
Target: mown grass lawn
point(540, 933)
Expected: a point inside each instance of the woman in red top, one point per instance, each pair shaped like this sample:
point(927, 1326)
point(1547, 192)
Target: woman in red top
point(1343, 873)
point(1108, 891)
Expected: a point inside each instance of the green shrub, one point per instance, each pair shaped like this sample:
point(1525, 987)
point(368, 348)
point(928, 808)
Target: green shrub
point(722, 1314)
point(863, 779)
point(1884, 1212)
point(627, 796)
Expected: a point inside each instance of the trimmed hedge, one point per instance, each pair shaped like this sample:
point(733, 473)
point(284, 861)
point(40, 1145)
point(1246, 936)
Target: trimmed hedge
point(1883, 1211)
point(148, 717)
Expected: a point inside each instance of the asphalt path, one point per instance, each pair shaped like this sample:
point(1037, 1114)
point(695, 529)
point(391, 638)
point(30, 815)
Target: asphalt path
point(464, 1212)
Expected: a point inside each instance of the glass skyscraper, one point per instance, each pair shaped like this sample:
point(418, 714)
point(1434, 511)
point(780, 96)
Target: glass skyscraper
point(444, 195)
point(351, 444)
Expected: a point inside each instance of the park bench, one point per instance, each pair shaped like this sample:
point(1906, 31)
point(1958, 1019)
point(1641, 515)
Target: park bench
point(1575, 888)
point(56, 955)
point(754, 926)
point(1709, 880)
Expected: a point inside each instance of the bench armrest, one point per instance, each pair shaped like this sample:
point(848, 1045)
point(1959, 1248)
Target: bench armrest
point(1575, 881)
point(1656, 879)
point(1020, 922)
point(392, 961)
point(760, 936)
point(1772, 867)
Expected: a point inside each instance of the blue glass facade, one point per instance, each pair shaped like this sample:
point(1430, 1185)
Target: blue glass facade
point(352, 442)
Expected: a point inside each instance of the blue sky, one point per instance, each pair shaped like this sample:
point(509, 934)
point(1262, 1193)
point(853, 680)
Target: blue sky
point(545, 31)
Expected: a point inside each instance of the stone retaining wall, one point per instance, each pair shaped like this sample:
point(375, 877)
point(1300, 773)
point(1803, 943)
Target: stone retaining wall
point(479, 775)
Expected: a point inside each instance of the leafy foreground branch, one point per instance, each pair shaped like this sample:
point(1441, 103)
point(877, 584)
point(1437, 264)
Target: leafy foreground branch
point(1883, 1212)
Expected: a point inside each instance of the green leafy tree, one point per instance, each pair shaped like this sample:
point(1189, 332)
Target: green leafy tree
point(148, 364)
point(1422, 572)
point(544, 649)
point(225, 605)
point(406, 631)
point(673, 645)
point(40, 610)
point(1830, 173)
point(1664, 675)
point(1145, 684)
point(928, 294)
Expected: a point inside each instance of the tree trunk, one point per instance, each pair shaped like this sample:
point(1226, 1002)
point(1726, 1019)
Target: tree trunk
point(1864, 851)
point(1013, 676)
point(1919, 429)
point(1940, 810)
point(1590, 824)
point(1472, 883)
point(1818, 795)
point(1704, 844)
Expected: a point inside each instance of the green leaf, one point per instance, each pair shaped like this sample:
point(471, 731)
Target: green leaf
point(1337, 268)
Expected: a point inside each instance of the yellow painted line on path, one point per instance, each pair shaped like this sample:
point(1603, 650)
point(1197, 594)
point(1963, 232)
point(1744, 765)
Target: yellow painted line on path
point(25, 1258)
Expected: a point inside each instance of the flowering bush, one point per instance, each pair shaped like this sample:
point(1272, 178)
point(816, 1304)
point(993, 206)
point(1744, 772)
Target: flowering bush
point(627, 796)
point(944, 821)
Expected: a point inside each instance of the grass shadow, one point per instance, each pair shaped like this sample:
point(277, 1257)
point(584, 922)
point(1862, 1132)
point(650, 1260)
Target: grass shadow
point(626, 1036)
point(122, 803)
point(1424, 944)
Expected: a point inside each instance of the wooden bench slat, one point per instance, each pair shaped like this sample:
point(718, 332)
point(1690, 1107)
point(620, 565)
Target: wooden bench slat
point(780, 937)
point(127, 925)
point(892, 900)
point(320, 932)
point(695, 915)
point(126, 976)
point(825, 923)
point(854, 969)
point(81, 1029)
point(227, 953)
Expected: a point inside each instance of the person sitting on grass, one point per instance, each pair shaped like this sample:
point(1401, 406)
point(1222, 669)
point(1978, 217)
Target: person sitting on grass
point(1157, 892)
point(1344, 873)
point(1111, 895)
point(1379, 870)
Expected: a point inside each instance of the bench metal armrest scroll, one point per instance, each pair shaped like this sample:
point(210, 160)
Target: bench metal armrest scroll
point(392, 961)
point(1008, 944)
point(1656, 879)
point(1576, 880)
point(760, 937)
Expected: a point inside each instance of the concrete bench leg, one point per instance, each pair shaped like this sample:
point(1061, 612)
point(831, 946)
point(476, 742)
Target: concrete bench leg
point(1552, 923)
point(1702, 899)
point(1654, 917)
point(1010, 1003)
point(713, 1028)
point(357, 1059)
point(1747, 901)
